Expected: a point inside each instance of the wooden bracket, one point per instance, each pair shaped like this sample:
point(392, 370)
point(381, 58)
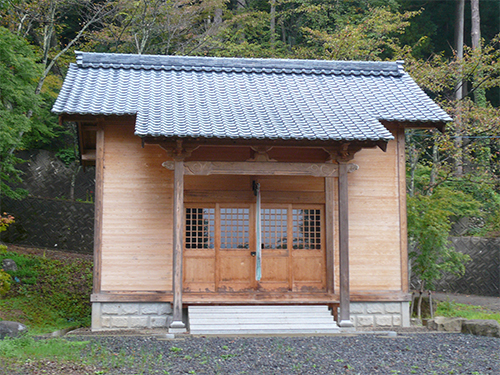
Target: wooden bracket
point(260, 153)
point(177, 150)
point(344, 153)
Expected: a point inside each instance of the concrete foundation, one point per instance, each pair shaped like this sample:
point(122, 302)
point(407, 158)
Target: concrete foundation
point(380, 314)
point(130, 315)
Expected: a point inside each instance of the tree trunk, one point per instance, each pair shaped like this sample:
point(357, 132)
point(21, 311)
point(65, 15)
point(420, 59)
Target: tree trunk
point(435, 164)
point(413, 159)
point(272, 26)
point(242, 4)
point(420, 298)
point(459, 42)
point(479, 92)
point(218, 16)
point(459, 89)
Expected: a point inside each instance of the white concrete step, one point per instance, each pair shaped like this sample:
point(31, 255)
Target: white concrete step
point(265, 319)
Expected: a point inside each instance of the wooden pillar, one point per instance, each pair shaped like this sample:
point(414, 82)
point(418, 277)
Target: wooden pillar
point(344, 317)
point(99, 184)
point(403, 224)
point(330, 233)
point(177, 323)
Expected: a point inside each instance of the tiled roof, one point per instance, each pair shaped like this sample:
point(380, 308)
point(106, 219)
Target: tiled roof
point(246, 98)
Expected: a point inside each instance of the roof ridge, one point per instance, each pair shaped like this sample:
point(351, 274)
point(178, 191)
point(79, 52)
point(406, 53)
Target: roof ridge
point(230, 64)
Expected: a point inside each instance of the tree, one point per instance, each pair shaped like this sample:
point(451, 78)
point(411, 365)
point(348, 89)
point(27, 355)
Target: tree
point(157, 27)
point(18, 78)
point(429, 226)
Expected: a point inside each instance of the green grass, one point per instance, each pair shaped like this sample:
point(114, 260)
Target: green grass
point(34, 313)
point(47, 294)
point(27, 347)
point(460, 310)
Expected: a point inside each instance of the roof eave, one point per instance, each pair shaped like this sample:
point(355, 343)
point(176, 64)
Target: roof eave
point(229, 142)
point(440, 125)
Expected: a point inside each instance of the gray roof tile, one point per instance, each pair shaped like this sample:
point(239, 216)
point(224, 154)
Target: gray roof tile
point(246, 98)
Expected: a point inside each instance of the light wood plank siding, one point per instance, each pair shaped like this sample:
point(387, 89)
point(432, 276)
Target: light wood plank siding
point(137, 215)
point(374, 220)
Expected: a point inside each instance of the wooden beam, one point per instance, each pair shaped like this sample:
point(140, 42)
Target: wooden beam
point(251, 298)
point(177, 323)
point(231, 196)
point(98, 213)
point(205, 168)
point(253, 142)
point(344, 318)
point(330, 233)
point(89, 155)
point(401, 160)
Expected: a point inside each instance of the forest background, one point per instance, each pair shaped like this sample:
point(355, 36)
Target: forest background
point(451, 49)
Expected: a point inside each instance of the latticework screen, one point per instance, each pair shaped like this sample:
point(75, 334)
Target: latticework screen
point(306, 229)
point(234, 228)
point(274, 228)
point(200, 228)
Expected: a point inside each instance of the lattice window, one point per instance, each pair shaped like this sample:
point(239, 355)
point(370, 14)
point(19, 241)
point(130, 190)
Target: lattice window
point(200, 228)
point(274, 228)
point(234, 228)
point(306, 229)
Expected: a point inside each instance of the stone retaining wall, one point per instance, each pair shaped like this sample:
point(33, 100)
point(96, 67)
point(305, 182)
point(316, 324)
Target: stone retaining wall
point(380, 314)
point(130, 315)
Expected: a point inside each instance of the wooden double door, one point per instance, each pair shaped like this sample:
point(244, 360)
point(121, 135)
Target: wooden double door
point(220, 248)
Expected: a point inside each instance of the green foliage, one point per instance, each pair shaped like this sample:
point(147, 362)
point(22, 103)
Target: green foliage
point(47, 287)
point(27, 348)
point(67, 155)
point(66, 287)
point(5, 282)
point(18, 75)
point(26, 267)
point(429, 224)
point(452, 309)
point(374, 37)
point(5, 221)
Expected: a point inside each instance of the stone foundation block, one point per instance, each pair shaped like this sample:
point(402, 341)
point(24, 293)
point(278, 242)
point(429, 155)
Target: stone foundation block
point(392, 308)
point(375, 308)
point(396, 321)
point(119, 322)
point(111, 308)
point(383, 320)
point(139, 322)
point(159, 322)
point(136, 315)
point(106, 322)
point(380, 314)
point(357, 308)
point(365, 321)
point(165, 309)
point(149, 309)
point(129, 309)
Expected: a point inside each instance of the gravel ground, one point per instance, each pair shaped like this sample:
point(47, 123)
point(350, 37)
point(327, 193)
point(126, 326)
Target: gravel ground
point(375, 353)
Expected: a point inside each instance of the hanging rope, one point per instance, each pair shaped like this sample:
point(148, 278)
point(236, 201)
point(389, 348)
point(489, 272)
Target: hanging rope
point(258, 235)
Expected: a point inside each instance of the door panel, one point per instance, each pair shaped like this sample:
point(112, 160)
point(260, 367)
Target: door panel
point(234, 245)
point(199, 266)
point(220, 240)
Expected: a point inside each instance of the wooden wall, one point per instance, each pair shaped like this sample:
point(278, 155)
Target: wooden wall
point(137, 214)
point(374, 221)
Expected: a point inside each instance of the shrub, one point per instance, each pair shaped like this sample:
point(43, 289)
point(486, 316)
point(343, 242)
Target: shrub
point(26, 266)
point(5, 282)
point(67, 287)
point(63, 286)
